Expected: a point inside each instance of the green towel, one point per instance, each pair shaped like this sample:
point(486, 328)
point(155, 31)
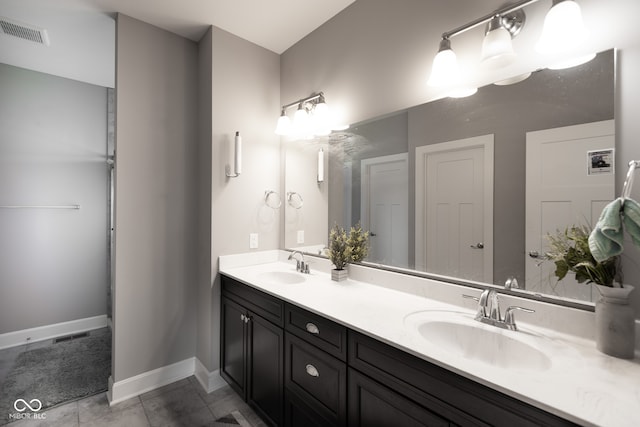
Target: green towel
point(631, 219)
point(605, 241)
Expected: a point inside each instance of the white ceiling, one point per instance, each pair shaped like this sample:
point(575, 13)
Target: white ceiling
point(82, 32)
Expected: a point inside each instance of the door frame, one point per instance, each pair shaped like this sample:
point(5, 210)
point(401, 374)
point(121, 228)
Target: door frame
point(486, 142)
point(365, 181)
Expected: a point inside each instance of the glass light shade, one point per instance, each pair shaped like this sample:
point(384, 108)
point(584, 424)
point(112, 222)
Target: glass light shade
point(444, 71)
point(321, 119)
point(462, 92)
point(284, 125)
point(300, 119)
point(572, 62)
point(497, 49)
point(512, 80)
point(563, 28)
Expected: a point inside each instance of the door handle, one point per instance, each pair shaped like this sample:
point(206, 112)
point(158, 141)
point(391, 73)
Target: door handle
point(311, 370)
point(372, 234)
point(478, 246)
point(534, 254)
point(312, 329)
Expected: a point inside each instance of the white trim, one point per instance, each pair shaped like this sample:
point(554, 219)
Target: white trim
point(210, 381)
point(151, 380)
point(41, 333)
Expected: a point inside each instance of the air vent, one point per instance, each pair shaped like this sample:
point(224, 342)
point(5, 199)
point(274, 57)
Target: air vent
point(23, 31)
point(70, 337)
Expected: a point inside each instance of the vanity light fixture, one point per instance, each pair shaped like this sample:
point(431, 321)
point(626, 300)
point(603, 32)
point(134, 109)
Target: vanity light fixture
point(320, 165)
point(563, 32)
point(312, 118)
point(237, 158)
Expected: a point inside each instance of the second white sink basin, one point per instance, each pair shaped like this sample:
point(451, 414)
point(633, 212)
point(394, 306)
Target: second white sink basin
point(282, 277)
point(459, 335)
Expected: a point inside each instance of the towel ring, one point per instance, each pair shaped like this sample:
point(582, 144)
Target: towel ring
point(294, 200)
point(272, 199)
point(628, 182)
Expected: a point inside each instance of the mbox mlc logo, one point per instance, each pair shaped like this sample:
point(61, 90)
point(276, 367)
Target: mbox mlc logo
point(34, 406)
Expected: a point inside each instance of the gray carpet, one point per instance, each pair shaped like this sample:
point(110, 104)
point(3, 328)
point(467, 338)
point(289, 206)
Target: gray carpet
point(58, 373)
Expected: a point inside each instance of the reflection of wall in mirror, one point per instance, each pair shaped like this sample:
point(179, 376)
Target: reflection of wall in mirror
point(306, 222)
point(548, 99)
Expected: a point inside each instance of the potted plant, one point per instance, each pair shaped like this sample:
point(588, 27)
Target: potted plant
point(615, 319)
point(345, 248)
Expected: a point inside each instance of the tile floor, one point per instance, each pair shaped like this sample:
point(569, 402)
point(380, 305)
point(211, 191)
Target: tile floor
point(183, 403)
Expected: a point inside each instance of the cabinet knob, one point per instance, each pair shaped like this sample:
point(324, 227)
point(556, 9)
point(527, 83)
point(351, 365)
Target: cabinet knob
point(311, 370)
point(242, 317)
point(312, 329)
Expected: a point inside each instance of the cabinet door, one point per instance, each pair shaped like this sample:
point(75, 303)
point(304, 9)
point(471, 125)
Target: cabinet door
point(233, 366)
point(374, 405)
point(266, 379)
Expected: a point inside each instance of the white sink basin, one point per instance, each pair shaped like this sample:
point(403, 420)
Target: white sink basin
point(282, 277)
point(457, 334)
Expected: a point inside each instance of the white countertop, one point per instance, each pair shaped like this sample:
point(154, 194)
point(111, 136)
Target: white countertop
point(581, 385)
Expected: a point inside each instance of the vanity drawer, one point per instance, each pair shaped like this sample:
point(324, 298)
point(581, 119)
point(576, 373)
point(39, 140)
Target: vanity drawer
point(317, 378)
point(323, 333)
point(447, 394)
point(260, 303)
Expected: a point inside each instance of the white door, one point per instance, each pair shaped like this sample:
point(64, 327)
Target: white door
point(561, 192)
point(454, 208)
point(385, 208)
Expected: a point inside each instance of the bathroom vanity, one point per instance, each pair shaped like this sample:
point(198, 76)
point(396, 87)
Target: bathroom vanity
point(303, 350)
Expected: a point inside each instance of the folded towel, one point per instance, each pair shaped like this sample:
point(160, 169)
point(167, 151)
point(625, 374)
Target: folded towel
point(605, 241)
point(631, 219)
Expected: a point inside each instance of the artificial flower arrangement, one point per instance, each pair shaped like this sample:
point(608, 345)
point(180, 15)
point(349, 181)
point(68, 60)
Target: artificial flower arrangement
point(569, 250)
point(347, 247)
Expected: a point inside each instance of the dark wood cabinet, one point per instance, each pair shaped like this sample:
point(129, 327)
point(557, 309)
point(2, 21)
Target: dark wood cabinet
point(316, 378)
point(252, 350)
point(299, 369)
point(234, 346)
point(373, 405)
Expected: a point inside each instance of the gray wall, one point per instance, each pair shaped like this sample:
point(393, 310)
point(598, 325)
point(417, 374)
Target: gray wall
point(245, 96)
point(205, 274)
point(156, 198)
point(53, 143)
point(375, 56)
point(239, 85)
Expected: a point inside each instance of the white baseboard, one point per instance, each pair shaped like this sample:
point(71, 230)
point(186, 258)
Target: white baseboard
point(41, 333)
point(147, 381)
point(210, 381)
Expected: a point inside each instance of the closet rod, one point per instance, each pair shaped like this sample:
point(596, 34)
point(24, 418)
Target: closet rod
point(40, 207)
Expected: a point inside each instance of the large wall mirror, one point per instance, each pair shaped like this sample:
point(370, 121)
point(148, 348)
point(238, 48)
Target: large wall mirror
point(468, 188)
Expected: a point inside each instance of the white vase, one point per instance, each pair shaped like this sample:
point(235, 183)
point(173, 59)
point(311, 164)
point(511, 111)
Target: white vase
point(339, 275)
point(615, 322)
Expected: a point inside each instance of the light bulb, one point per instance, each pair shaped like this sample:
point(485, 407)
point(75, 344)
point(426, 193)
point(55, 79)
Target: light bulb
point(563, 28)
point(497, 49)
point(444, 71)
point(284, 125)
point(321, 118)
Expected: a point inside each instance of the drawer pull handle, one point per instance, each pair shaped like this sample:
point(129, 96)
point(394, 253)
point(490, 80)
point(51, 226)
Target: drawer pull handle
point(311, 370)
point(312, 329)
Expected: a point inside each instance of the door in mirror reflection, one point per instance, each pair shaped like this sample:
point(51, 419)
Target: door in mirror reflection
point(563, 189)
point(453, 206)
point(385, 208)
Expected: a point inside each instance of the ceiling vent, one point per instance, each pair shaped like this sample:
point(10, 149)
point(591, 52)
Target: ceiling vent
point(23, 31)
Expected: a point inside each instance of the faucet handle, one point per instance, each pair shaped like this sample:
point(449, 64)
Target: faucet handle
point(509, 318)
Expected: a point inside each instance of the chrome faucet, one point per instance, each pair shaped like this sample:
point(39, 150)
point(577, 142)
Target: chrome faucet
point(301, 266)
point(489, 311)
